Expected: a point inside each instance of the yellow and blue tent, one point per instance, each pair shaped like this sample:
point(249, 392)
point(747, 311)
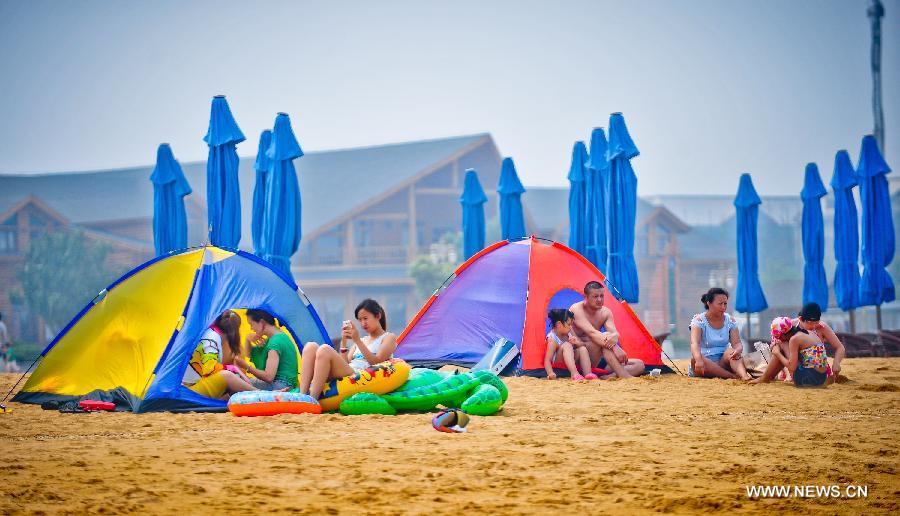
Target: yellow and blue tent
point(133, 341)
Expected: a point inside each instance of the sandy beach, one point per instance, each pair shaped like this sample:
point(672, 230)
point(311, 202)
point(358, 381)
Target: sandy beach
point(644, 445)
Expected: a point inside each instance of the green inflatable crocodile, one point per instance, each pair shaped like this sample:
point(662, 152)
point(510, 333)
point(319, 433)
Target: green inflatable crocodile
point(480, 393)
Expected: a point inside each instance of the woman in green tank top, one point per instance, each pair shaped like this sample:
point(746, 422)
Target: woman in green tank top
point(274, 359)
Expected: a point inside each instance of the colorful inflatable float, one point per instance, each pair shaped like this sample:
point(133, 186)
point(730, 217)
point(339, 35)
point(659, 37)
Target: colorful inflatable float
point(385, 388)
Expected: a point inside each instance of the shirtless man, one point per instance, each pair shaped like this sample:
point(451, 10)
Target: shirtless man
point(602, 346)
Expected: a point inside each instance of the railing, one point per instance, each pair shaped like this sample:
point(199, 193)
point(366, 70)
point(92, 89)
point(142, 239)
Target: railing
point(381, 254)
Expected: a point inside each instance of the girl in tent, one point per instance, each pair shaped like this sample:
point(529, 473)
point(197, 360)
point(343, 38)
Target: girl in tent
point(206, 373)
point(272, 352)
point(322, 363)
point(563, 344)
point(711, 333)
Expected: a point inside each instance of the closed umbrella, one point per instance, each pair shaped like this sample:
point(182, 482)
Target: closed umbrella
point(621, 210)
point(815, 285)
point(169, 215)
point(259, 190)
point(472, 201)
point(512, 221)
point(749, 297)
point(846, 235)
point(577, 226)
point(595, 183)
point(876, 286)
point(281, 232)
point(223, 196)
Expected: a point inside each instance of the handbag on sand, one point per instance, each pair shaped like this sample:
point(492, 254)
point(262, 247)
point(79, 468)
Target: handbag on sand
point(757, 361)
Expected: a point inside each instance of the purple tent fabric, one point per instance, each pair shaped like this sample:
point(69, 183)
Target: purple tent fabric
point(467, 332)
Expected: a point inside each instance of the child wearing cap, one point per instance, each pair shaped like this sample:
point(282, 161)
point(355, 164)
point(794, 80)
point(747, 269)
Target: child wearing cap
point(805, 356)
point(809, 320)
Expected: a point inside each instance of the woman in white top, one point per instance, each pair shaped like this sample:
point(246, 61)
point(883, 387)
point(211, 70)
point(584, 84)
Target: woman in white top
point(322, 363)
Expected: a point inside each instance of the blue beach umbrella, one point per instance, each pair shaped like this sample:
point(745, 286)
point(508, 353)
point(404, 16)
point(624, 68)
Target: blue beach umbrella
point(749, 296)
point(577, 226)
point(169, 215)
point(596, 176)
point(259, 190)
point(876, 286)
point(472, 201)
point(281, 232)
point(815, 285)
point(512, 221)
point(846, 233)
point(222, 188)
point(621, 210)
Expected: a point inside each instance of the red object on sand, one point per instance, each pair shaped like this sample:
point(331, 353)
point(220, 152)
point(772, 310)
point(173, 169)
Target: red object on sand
point(91, 405)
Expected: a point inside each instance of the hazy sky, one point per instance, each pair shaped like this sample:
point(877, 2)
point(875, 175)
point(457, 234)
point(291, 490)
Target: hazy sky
point(709, 89)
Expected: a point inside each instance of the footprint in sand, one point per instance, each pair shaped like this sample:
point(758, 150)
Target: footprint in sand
point(881, 387)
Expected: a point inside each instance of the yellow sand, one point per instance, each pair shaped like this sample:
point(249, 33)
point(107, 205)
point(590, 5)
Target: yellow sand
point(671, 445)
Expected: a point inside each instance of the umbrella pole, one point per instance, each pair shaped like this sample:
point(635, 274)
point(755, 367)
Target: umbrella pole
point(878, 317)
point(852, 313)
point(748, 327)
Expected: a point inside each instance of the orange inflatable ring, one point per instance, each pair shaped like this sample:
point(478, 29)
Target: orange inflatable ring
point(270, 403)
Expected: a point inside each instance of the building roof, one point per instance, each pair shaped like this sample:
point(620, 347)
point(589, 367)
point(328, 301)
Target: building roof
point(549, 207)
point(331, 182)
point(713, 210)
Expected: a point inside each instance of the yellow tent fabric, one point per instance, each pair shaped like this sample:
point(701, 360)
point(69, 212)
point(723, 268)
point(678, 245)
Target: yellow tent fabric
point(122, 338)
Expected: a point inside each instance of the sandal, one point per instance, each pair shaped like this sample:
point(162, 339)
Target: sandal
point(577, 378)
point(590, 376)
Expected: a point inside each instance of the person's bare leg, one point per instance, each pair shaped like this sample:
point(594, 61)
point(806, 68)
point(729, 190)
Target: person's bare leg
point(235, 383)
point(635, 367)
point(584, 359)
point(714, 370)
point(595, 353)
point(568, 355)
point(775, 366)
point(735, 366)
point(307, 366)
point(612, 362)
point(328, 365)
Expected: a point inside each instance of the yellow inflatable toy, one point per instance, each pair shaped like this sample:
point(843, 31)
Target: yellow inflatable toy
point(379, 379)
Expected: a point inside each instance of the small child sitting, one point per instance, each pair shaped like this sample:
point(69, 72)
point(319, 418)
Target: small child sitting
point(561, 342)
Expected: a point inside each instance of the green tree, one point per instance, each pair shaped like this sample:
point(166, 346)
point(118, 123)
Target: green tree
point(429, 275)
point(429, 271)
point(62, 272)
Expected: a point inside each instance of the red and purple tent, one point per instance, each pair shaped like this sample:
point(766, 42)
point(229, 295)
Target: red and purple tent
point(505, 291)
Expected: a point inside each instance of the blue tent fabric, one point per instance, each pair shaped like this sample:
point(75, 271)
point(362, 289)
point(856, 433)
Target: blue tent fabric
point(240, 281)
point(222, 188)
point(512, 220)
point(749, 296)
point(169, 215)
point(281, 230)
point(621, 211)
point(259, 189)
point(876, 286)
point(815, 284)
point(472, 201)
point(596, 177)
point(577, 200)
point(846, 233)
